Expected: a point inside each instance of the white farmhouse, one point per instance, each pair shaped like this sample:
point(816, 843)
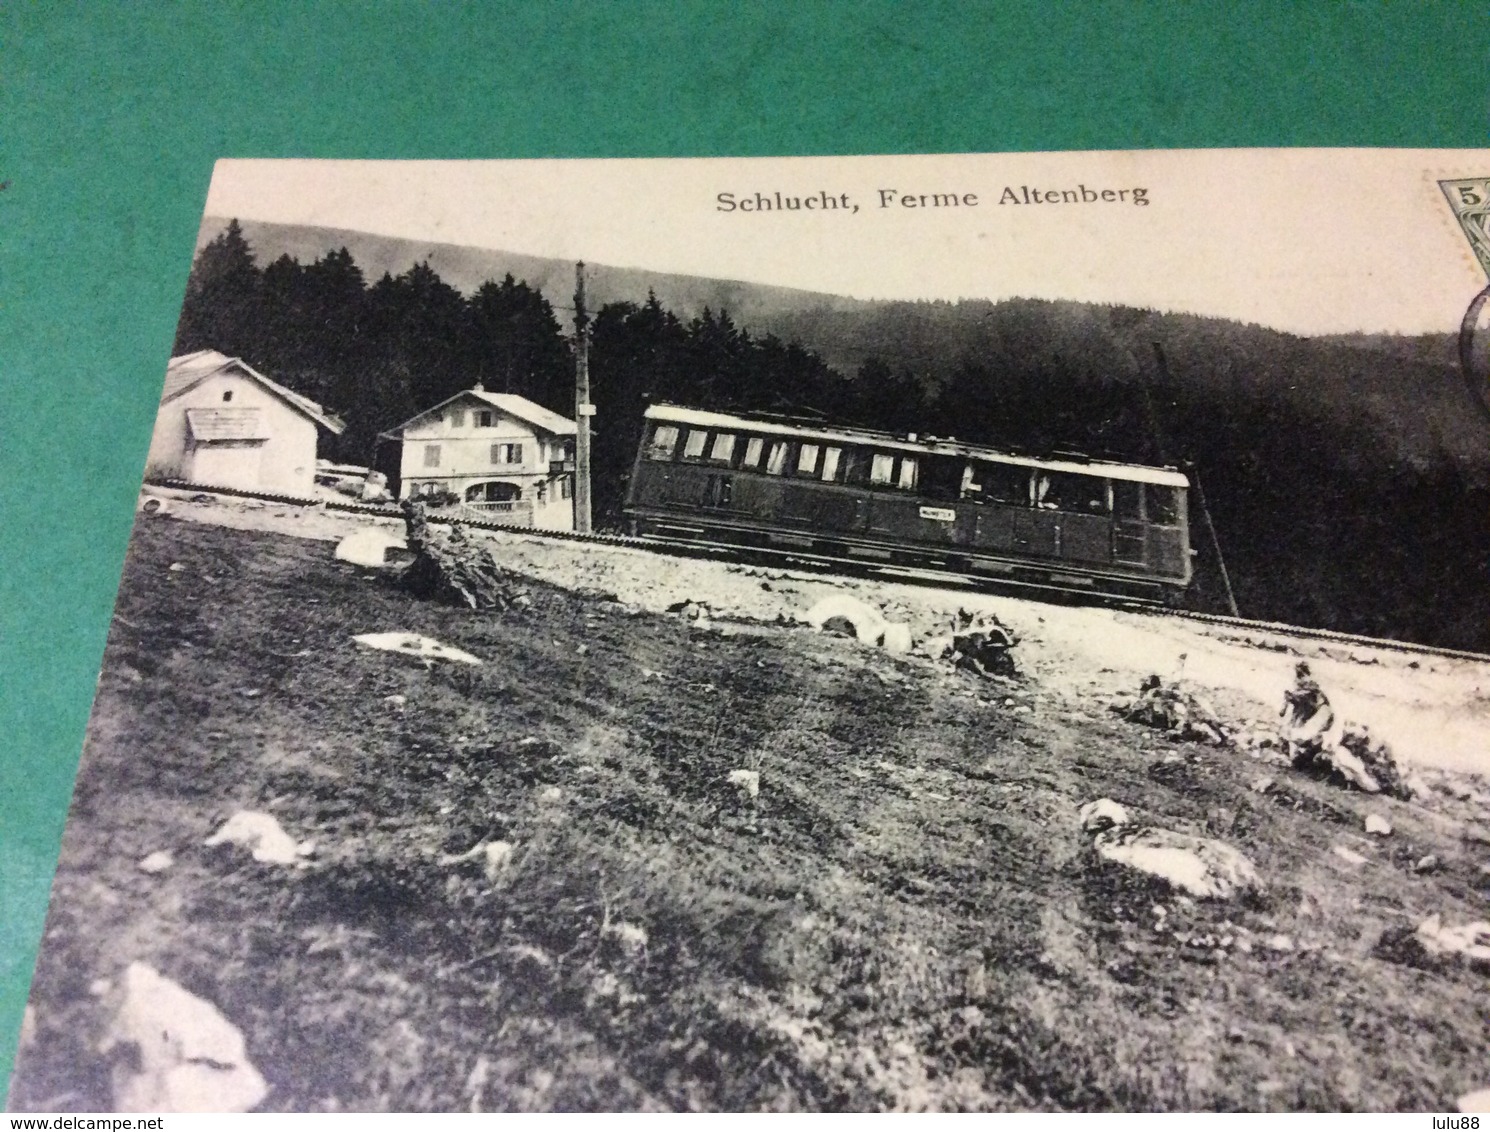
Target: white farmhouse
point(224, 424)
point(501, 454)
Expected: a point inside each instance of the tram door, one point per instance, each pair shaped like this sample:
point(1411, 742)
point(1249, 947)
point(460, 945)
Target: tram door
point(1129, 541)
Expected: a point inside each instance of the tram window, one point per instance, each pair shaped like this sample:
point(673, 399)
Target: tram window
point(855, 467)
point(752, 458)
point(831, 464)
point(1126, 499)
point(882, 469)
point(693, 443)
point(1000, 483)
point(907, 478)
point(1063, 491)
point(943, 478)
point(776, 460)
point(807, 460)
point(723, 448)
point(1163, 504)
point(664, 441)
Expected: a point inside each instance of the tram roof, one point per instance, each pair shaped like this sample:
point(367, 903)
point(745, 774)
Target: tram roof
point(1138, 473)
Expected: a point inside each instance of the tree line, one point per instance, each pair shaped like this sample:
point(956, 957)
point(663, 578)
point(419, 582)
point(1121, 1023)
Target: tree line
point(1324, 518)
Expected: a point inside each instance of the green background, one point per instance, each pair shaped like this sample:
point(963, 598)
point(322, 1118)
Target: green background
point(111, 117)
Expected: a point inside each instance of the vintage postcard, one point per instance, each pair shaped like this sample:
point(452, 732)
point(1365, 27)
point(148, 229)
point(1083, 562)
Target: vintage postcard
point(1000, 632)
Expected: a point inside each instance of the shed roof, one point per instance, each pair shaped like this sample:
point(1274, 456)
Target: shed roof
point(510, 403)
point(186, 371)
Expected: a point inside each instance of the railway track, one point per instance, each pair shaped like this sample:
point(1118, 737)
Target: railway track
point(824, 563)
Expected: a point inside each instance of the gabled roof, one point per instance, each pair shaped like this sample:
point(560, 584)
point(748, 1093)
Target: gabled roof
point(509, 403)
point(187, 371)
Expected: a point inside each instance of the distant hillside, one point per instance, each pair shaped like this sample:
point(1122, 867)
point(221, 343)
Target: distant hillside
point(750, 304)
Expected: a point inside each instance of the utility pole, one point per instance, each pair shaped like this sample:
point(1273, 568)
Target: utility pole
point(583, 410)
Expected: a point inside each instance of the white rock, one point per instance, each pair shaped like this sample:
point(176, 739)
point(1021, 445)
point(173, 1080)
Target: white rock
point(1378, 825)
point(867, 623)
point(1102, 814)
point(896, 639)
point(631, 937)
point(369, 547)
point(1477, 1101)
point(1278, 942)
point(182, 1054)
point(157, 862)
point(1196, 865)
point(260, 833)
point(498, 856)
point(1470, 940)
point(426, 649)
point(747, 781)
point(1262, 785)
point(1349, 855)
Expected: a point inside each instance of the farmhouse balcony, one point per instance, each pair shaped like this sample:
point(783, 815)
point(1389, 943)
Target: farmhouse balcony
point(509, 512)
point(558, 467)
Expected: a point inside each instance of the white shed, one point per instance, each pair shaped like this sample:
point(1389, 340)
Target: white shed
point(221, 423)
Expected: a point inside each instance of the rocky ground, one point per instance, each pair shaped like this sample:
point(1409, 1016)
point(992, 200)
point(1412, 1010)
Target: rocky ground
point(713, 859)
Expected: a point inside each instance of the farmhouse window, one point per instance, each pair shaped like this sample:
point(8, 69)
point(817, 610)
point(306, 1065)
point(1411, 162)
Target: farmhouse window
point(431, 455)
point(483, 418)
point(753, 447)
point(693, 444)
point(457, 418)
point(506, 453)
point(664, 441)
point(566, 488)
point(227, 395)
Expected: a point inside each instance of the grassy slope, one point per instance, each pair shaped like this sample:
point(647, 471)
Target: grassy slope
point(905, 917)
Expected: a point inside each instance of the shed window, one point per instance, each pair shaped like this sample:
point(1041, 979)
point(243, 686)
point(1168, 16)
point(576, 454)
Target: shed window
point(1127, 499)
point(723, 448)
point(431, 455)
point(664, 442)
point(882, 469)
point(693, 444)
point(807, 460)
point(831, 459)
point(776, 461)
point(752, 458)
point(1163, 504)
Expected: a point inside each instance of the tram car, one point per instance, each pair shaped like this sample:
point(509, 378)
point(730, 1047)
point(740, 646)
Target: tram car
point(853, 495)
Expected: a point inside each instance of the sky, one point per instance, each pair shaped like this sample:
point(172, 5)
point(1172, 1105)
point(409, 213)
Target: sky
point(1307, 241)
